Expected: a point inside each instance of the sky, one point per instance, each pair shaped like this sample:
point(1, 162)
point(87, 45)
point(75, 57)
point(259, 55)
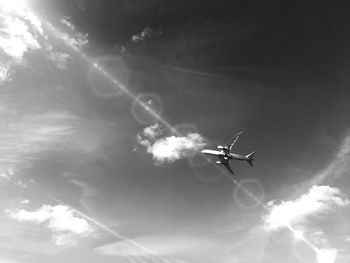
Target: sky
point(106, 105)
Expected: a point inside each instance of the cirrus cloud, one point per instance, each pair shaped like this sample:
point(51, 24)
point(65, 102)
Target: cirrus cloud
point(338, 167)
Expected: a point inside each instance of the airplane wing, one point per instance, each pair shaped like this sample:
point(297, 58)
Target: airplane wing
point(230, 144)
point(226, 164)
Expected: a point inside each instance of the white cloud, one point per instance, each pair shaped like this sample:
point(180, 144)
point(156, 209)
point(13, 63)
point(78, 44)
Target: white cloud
point(318, 199)
point(60, 59)
point(326, 255)
point(318, 238)
point(66, 21)
point(4, 175)
point(152, 131)
point(19, 8)
point(16, 37)
point(75, 39)
point(147, 33)
point(65, 226)
point(25, 201)
point(22, 184)
point(12, 6)
point(5, 72)
point(171, 148)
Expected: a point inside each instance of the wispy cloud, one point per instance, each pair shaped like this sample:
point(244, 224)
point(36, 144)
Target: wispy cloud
point(24, 137)
point(65, 226)
point(167, 149)
point(5, 72)
point(75, 39)
point(145, 34)
point(66, 21)
point(25, 202)
point(175, 247)
point(6, 174)
point(338, 166)
point(318, 199)
point(60, 59)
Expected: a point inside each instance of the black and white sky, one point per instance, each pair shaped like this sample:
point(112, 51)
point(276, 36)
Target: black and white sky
point(106, 105)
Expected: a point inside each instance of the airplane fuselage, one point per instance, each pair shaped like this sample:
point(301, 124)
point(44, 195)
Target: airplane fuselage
point(222, 153)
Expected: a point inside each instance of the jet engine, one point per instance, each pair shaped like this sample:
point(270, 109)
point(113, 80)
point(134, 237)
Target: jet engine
point(218, 162)
point(221, 147)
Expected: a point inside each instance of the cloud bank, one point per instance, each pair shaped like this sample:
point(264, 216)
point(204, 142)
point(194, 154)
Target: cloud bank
point(16, 37)
point(167, 149)
point(59, 219)
point(318, 199)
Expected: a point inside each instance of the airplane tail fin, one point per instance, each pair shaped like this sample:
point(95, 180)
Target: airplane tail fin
point(250, 158)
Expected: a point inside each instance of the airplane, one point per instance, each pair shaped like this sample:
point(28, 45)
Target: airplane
point(225, 154)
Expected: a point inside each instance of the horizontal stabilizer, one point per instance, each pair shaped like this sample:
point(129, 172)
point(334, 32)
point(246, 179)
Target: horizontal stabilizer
point(250, 158)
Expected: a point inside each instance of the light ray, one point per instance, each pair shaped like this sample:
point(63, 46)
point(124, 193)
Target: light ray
point(114, 233)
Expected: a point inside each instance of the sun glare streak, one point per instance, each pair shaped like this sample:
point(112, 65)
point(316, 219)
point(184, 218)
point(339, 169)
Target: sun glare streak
point(153, 255)
point(298, 235)
point(118, 85)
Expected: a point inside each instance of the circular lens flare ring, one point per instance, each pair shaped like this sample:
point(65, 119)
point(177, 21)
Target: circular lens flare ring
point(244, 196)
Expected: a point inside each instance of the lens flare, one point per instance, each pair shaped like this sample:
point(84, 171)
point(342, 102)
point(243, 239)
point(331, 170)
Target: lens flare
point(249, 193)
point(103, 73)
point(146, 108)
point(298, 235)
